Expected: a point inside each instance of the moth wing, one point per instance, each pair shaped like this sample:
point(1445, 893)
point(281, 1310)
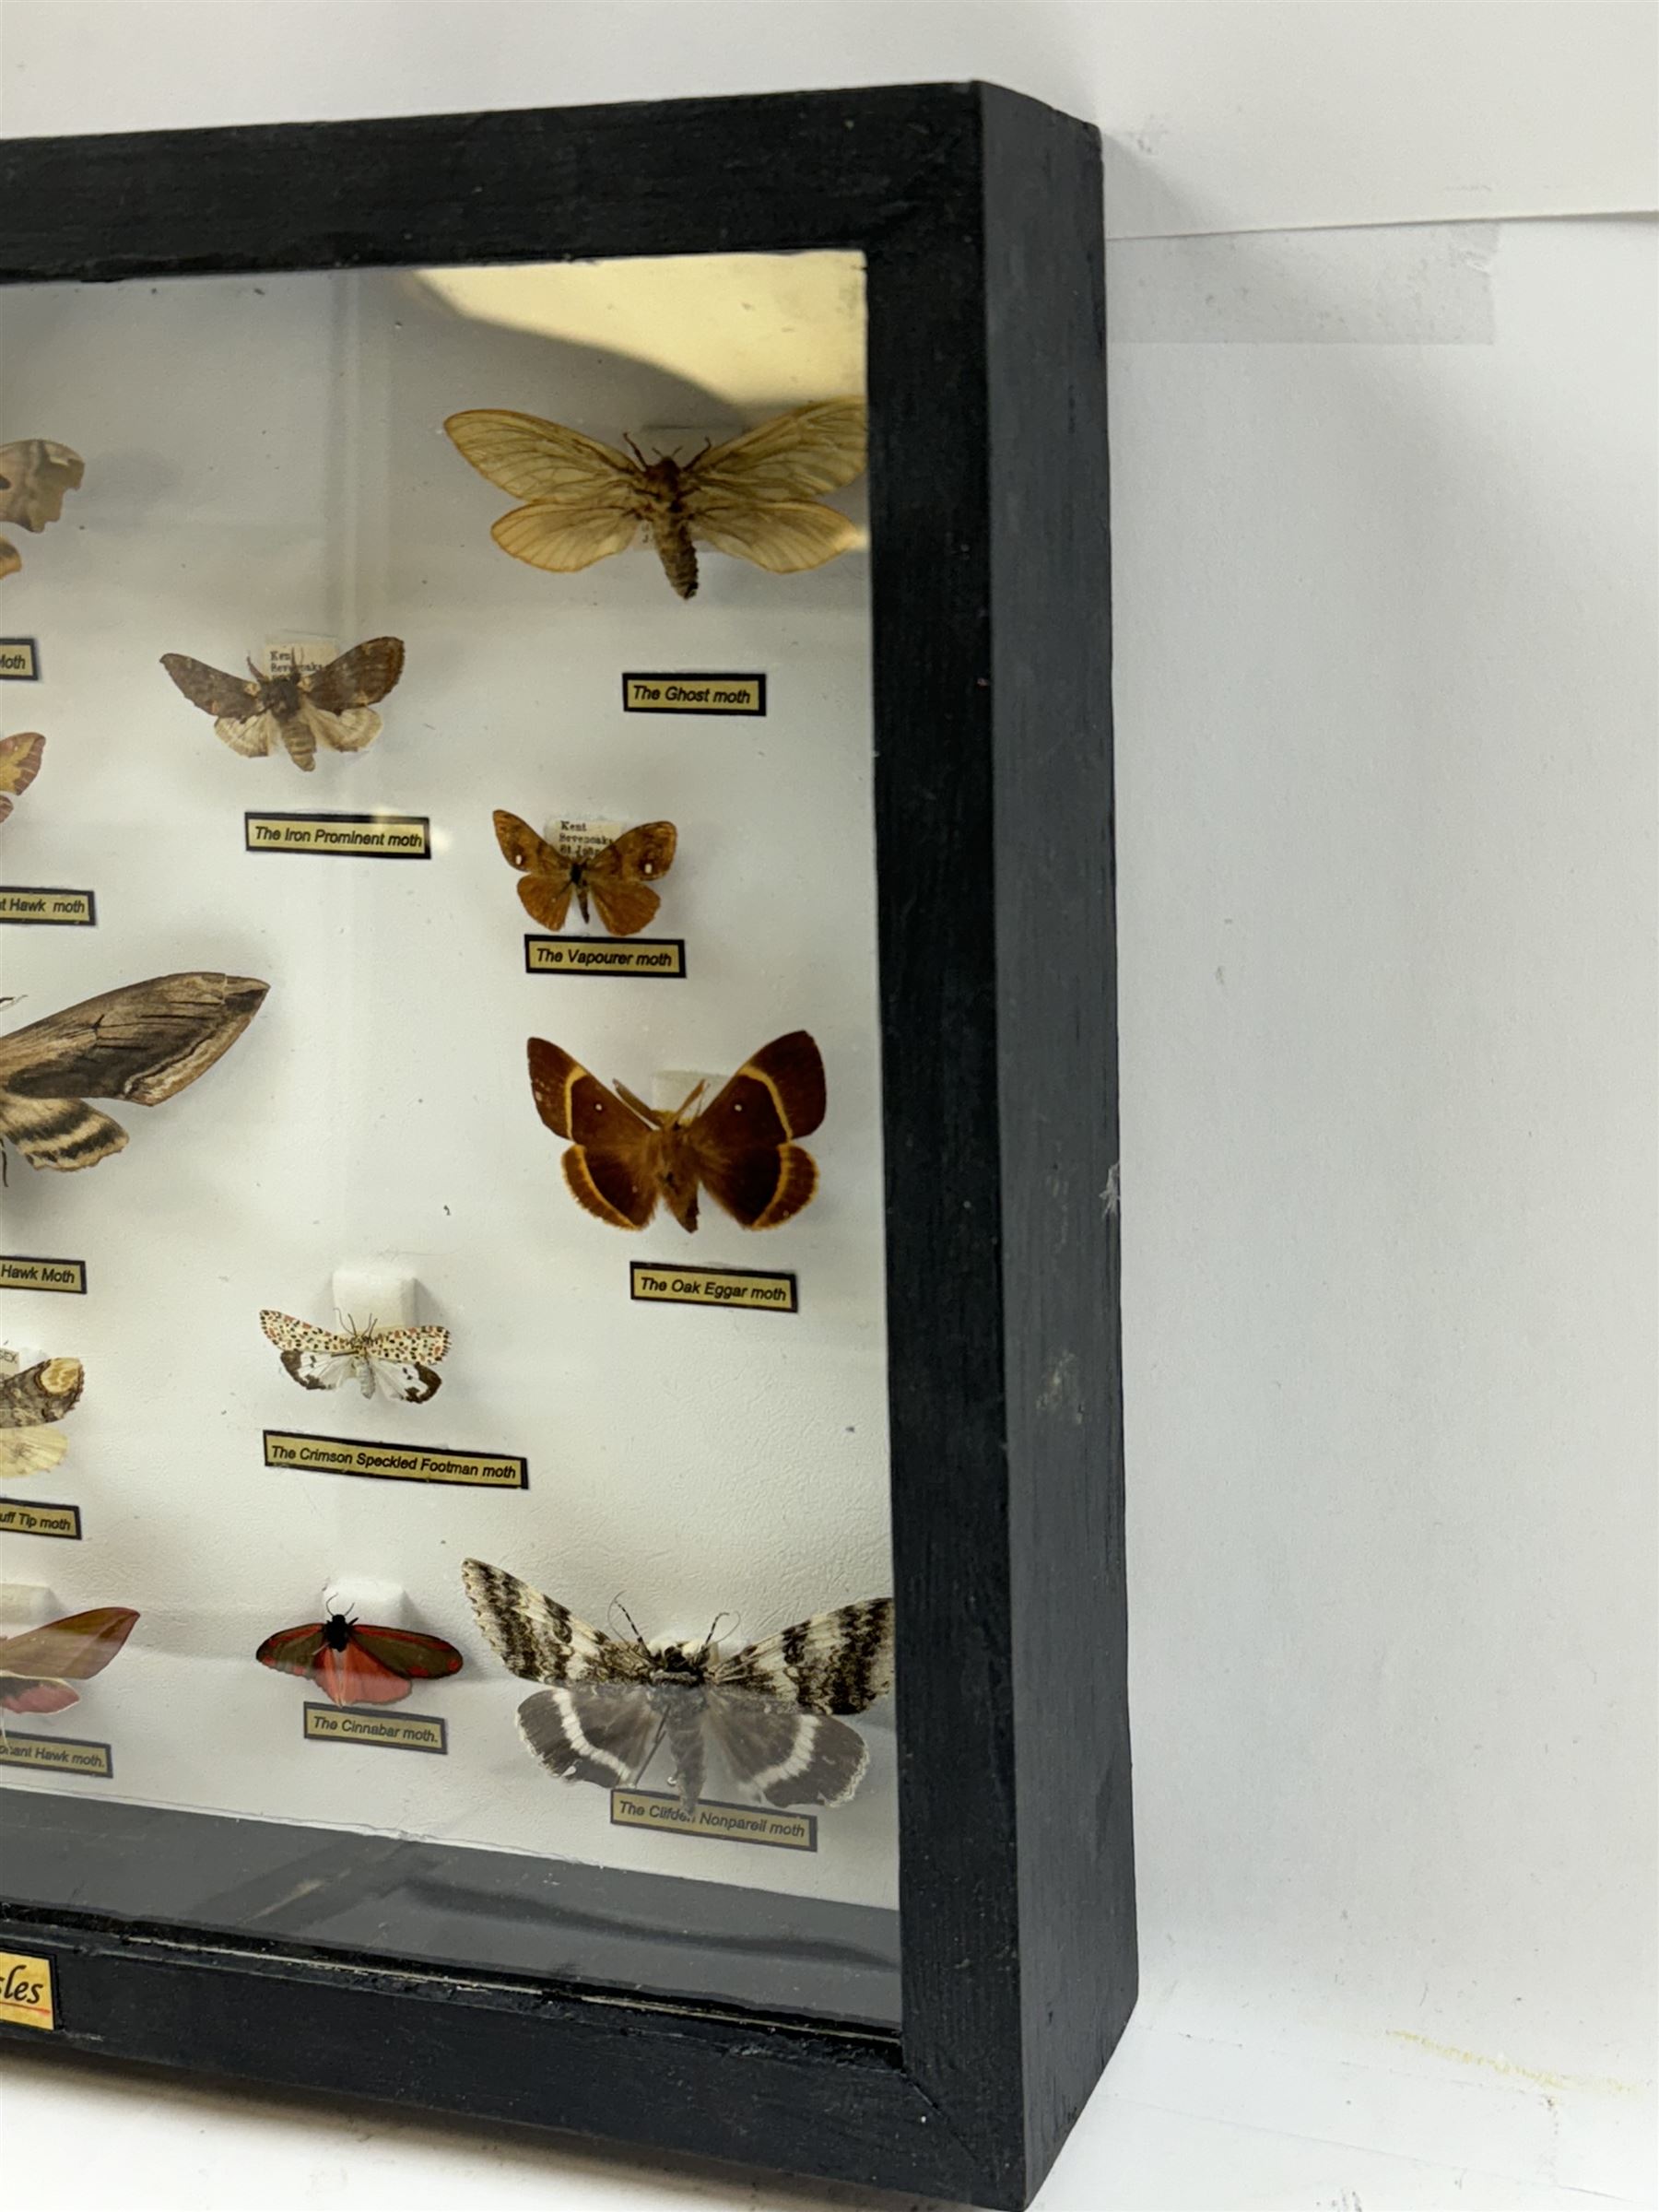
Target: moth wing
point(319, 1370)
point(346, 732)
point(620, 878)
point(215, 690)
point(358, 679)
point(784, 535)
point(784, 1756)
point(541, 1640)
point(20, 761)
point(426, 1343)
point(29, 1452)
point(58, 1133)
point(836, 1662)
point(73, 1649)
point(44, 1391)
point(564, 537)
point(144, 1042)
point(401, 1652)
point(292, 1651)
point(743, 1139)
point(35, 474)
point(545, 891)
point(599, 1731)
point(19, 1695)
point(538, 459)
point(11, 561)
point(355, 1676)
point(611, 1165)
point(819, 447)
point(409, 1381)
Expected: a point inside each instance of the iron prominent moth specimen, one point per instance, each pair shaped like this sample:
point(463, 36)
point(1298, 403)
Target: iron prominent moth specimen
point(332, 706)
point(753, 496)
point(34, 475)
point(399, 1363)
point(20, 765)
point(770, 1710)
point(626, 1156)
point(32, 1398)
point(38, 1668)
point(353, 1662)
point(618, 879)
point(144, 1042)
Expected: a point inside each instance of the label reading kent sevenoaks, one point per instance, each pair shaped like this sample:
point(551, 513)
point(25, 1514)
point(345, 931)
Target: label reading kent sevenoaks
point(605, 956)
point(346, 836)
point(396, 1463)
point(19, 1273)
point(39, 1519)
point(383, 1731)
point(694, 694)
point(20, 661)
point(712, 1287)
point(662, 1811)
point(57, 1754)
point(47, 909)
point(26, 1996)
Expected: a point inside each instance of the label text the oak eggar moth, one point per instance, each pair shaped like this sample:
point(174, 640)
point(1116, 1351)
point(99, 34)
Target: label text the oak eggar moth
point(694, 694)
point(662, 1811)
point(605, 956)
point(385, 1731)
point(26, 902)
point(36, 1518)
point(19, 1273)
point(20, 661)
point(712, 1287)
point(396, 1463)
point(348, 836)
point(57, 1754)
point(26, 1996)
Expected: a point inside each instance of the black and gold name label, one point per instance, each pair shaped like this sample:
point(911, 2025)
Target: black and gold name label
point(605, 956)
point(28, 1998)
point(20, 661)
point(735, 1287)
point(57, 1754)
point(694, 694)
point(25, 902)
point(662, 1811)
point(349, 836)
point(385, 1731)
point(19, 1273)
point(396, 1463)
point(39, 1519)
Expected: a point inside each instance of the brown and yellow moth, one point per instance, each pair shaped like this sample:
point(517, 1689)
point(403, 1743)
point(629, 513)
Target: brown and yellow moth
point(142, 1042)
point(333, 706)
point(753, 496)
point(618, 879)
point(20, 765)
point(35, 474)
point(33, 1397)
point(624, 1157)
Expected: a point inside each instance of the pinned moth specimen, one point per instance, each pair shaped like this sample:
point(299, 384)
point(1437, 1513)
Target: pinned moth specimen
point(333, 706)
point(20, 765)
point(32, 1399)
point(618, 879)
point(353, 1662)
point(753, 496)
point(770, 1711)
point(399, 1363)
point(144, 1042)
point(626, 1156)
point(35, 474)
point(38, 1668)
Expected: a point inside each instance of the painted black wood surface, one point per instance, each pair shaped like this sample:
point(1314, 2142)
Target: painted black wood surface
point(978, 213)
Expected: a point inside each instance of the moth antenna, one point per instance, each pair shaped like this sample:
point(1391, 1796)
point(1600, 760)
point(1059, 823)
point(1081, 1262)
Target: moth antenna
point(258, 675)
point(707, 447)
point(637, 455)
point(707, 1640)
point(691, 1098)
point(617, 1606)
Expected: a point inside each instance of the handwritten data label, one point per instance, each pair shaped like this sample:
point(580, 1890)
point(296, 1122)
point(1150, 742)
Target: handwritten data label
point(19, 1273)
point(662, 1811)
point(694, 694)
point(712, 1287)
point(28, 902)
point(396, 1463)
point(346, 836)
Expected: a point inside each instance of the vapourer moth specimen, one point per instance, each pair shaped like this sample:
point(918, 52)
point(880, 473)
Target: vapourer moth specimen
point(399, 1363)
point(626, 1156)
point(618, 879)
point(353, 1662)
point(32, 1398)
point(752, 495)
point(769, 1710)
point(35, 474)
point(37, 1667)
point(20, 765)
point(144, 1042)
point(332, 706)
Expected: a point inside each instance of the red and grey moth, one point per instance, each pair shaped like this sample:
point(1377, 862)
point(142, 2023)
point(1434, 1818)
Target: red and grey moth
point(355, 1663)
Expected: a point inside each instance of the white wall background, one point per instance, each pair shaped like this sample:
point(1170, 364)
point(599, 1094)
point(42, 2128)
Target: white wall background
point(1385, 534)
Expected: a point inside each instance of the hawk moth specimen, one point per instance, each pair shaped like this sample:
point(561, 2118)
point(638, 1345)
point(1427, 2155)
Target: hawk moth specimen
point(626, 1156)
point(751, 496)
point(30, 1399)
point(34, 475)
point(353, 1662)
point(769, 1710)
point(20, 765)
point(618, 879)
point(332, 706)
point(142, 1042)
point(37, 1667)
point(399, 1363)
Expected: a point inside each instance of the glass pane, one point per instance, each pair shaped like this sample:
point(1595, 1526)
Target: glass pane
point(366, 838)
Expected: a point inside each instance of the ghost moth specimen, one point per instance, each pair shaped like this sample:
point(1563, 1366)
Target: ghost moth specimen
point(332, 706)
point(771, 1710)
point(39, 1668)
point(32, 1399)
point(35, 474)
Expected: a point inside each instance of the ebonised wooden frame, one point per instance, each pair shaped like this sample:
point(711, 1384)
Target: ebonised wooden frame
point(979, 214)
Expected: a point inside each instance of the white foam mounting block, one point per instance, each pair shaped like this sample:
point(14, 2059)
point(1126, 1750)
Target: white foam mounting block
point(26, 1606)
point(378, 1291)
point(369, 1597)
